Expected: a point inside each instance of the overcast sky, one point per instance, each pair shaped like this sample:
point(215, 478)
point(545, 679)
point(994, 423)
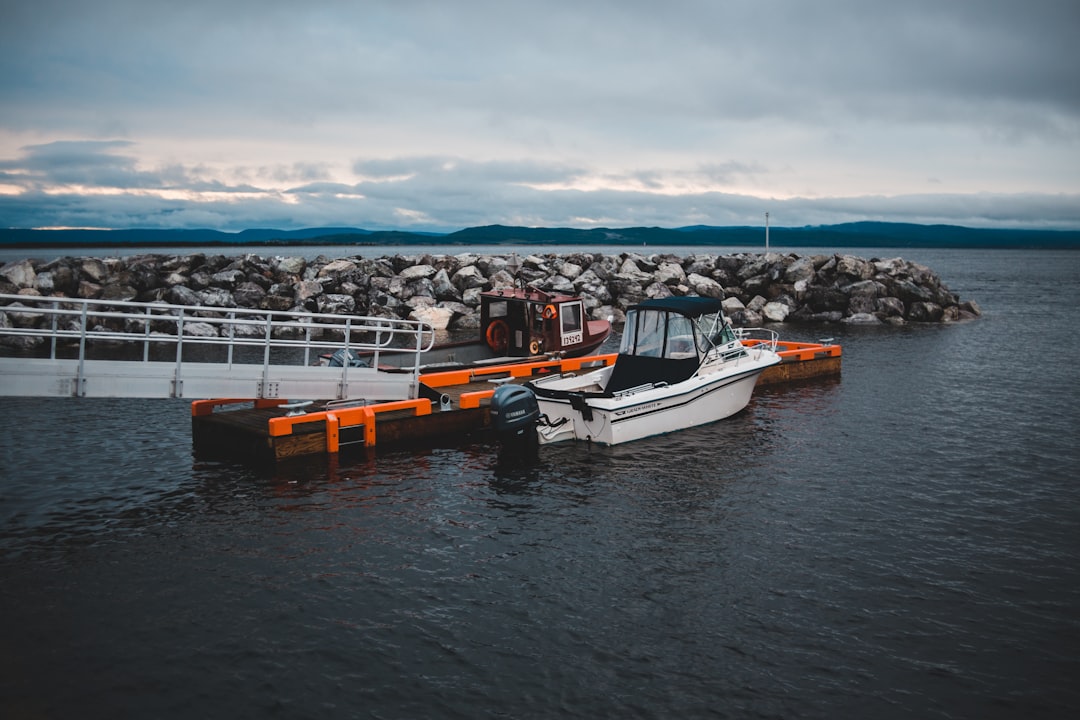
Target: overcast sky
point(440, 115)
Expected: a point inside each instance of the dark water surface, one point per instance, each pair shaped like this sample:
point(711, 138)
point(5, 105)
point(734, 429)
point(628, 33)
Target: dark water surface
point(901, 542)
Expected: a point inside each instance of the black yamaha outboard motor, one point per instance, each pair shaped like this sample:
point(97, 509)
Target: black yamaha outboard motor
point(514, 414)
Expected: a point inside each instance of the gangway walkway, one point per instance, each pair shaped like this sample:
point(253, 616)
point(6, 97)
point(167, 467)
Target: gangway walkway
point(72, 347)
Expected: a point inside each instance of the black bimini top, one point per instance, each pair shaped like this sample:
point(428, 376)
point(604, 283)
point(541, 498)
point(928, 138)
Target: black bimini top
point(689, 306)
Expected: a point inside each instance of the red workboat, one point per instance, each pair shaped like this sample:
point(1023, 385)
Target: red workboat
point(516, 325)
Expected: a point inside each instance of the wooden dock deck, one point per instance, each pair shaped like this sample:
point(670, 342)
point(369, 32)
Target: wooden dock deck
point(453, 404)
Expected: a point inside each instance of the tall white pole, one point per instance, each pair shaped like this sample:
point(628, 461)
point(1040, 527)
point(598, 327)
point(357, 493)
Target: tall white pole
point(766, 232)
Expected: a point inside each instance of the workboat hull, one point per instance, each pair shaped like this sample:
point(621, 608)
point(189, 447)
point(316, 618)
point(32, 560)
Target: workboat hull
point(571, 414)
point(474, 353)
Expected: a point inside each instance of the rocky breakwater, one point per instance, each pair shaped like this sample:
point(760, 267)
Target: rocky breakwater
point(444, 290)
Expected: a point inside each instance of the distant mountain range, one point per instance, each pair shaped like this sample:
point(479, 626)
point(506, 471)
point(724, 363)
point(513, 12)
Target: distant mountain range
point(858, 234)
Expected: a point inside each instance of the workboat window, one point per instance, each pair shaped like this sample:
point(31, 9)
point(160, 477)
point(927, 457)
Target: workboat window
point(497, 308)
point(570, 317)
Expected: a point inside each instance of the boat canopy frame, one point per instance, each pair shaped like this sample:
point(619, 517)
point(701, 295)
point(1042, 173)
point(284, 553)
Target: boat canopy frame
point(665, 340)
point(673, 328)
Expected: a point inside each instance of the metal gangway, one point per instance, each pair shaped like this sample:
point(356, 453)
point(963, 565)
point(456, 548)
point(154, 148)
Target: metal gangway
point(72, 347)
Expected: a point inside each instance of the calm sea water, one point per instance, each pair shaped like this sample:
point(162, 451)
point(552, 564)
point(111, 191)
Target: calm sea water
point(903, 542)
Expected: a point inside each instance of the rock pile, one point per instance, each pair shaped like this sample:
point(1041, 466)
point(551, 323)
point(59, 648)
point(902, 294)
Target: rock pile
point(444, 289)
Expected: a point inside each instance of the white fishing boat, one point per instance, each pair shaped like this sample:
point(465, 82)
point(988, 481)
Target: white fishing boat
point(680, 364)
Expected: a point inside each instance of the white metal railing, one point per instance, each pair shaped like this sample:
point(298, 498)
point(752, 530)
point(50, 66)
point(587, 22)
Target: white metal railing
point(638, 389)
point(758, 340)
point(80, 330)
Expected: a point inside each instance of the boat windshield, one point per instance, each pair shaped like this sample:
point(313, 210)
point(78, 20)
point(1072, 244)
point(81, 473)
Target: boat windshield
point(658, 333)
point(712, 331)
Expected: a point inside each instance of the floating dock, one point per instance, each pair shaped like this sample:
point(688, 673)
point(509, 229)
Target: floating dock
point(451, 405)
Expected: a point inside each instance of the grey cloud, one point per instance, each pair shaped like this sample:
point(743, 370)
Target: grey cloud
point(558, 59)
point(447, 193)
point(296, 172)
point(84, 153)
point(449, 207)
point(324, 188)
point(82, 162)
point(455, 168)
point(468, 103)
point(101, 164)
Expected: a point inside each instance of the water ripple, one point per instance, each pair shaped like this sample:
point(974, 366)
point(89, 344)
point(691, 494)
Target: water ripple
point(900, 542)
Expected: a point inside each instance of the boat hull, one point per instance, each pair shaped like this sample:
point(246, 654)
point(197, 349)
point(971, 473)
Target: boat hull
point(654, 411)
point(471, 353)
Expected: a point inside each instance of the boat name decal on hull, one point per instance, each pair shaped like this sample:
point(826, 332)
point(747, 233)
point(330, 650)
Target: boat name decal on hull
point(636, 409)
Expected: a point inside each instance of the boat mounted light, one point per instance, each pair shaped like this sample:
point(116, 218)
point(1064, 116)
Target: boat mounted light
point(513, 265)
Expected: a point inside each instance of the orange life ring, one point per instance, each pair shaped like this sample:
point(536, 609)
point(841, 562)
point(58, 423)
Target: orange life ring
point(550, 312)
point(534, 347)
point(498, 335)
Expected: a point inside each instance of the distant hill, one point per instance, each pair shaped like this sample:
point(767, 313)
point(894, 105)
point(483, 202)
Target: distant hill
point(858, 234)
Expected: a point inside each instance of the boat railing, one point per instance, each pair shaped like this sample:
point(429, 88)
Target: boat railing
point(639, 389)
point(62, 328)
point(758, 340)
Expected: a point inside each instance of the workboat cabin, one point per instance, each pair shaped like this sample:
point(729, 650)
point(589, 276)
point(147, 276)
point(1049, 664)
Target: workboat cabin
point(517, 324)
point(521, 322)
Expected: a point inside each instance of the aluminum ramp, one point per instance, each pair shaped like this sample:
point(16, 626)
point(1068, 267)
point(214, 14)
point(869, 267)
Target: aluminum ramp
point(69, 347)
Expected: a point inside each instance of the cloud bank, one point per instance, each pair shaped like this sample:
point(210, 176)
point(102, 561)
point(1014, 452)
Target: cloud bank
point(438, 116)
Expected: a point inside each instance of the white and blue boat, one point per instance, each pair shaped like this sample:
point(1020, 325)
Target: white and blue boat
point(680, 365)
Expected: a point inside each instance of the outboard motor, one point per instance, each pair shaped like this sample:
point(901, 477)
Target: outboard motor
point(344, 357)
point(514, 414)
